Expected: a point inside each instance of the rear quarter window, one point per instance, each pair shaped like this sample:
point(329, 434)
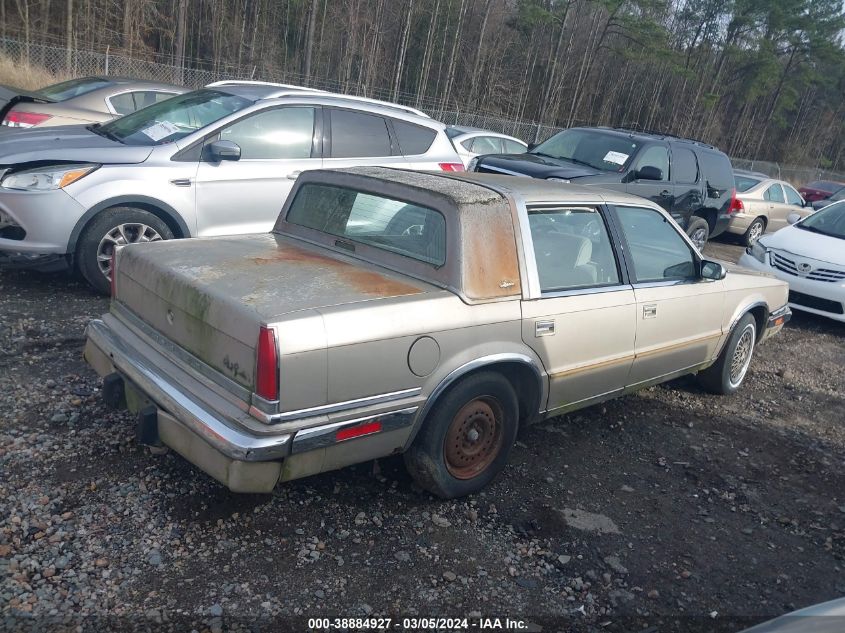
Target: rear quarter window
point(413, 139)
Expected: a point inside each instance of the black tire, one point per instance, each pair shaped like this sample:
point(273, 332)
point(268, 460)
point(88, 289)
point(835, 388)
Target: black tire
point(90, 261)
point(754, 231)
point(698, 231)
point(724, 377)
point(468, 465)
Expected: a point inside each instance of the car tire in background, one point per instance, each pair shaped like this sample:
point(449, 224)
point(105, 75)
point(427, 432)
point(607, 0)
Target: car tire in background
point(698, 231)
point(117, 226)
point(754, 231)
point(466, 438)
point(726, 375)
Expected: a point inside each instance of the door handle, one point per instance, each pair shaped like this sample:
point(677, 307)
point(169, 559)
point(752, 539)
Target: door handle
point(665, 194)
point(181, 182)
point(544, 328)
point(649, 311)
point(294, 174)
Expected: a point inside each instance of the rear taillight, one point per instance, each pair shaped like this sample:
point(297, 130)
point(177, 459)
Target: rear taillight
point(736, 204)
point(25, 119)
point(113, 273)
point(452, 166)
point(267, 365)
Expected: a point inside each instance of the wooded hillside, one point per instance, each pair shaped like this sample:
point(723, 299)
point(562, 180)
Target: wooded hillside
point(761, 79)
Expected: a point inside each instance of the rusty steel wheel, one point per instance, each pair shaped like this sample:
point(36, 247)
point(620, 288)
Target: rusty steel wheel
point(466, 437)
point(474, 438)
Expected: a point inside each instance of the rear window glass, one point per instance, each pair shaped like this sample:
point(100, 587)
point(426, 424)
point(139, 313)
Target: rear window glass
point(385, 223)
point(73, 88)
point(744, 183)
point(717, 171)
point(413, 139)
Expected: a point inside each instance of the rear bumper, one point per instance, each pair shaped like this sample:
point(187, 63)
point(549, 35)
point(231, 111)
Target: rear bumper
point(219, 436)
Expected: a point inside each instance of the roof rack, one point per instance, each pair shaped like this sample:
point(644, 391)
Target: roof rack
point(634, 129)
point(249, 82)
point(287, 89)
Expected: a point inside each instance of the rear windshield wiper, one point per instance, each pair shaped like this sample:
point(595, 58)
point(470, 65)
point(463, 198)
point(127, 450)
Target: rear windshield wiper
point(97, 128)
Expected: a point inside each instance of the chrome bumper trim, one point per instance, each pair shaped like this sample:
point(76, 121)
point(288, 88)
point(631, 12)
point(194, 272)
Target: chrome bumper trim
point(325, 435)
point(220, 433)
point(336, 407)
point(784, 312)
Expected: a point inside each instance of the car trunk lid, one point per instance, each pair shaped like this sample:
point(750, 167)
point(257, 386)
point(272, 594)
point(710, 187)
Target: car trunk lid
point(211, 296)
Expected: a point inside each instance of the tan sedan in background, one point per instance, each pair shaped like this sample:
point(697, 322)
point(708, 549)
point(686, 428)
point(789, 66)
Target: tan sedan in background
point(762, 205)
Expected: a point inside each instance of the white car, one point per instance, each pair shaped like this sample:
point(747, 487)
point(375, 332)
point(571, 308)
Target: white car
point(810, 256)
point(470, 142)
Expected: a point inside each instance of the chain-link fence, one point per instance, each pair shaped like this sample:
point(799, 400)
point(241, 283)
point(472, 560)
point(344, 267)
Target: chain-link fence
point(793, 174)
point(63, 62)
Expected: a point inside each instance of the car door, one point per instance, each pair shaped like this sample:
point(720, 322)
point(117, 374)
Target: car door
point(660, 190)
point(794, 204)
point(678, 314)
point(687, 185)
point(246, 195)
point(582, 324)
point(777, 208)
point(355, 138)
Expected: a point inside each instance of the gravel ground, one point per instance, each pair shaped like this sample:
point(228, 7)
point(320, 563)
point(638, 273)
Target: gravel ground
point(670, 508)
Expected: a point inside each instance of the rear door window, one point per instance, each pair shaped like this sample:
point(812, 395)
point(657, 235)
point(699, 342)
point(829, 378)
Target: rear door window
point(413, 139)
point(717, 172)
point(684, 166)
point(572, 248)
point(774, 194)
point(358, 135)
point(486, 145)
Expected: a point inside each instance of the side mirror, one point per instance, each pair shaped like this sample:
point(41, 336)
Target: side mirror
point(650, 173)
point(712, 270)
point(531, 146)
point(222, 150)
point(792, 218)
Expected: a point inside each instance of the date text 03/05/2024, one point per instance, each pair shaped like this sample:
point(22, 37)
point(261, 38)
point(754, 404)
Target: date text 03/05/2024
point(417, 624)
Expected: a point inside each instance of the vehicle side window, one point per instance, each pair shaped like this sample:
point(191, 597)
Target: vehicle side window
point(413, 139)
point(123, 103)
point(359, 135)
point(684, 166)
point(654, 156)
point(467, 144)
point(512, 147)
point(774, 194)
point(572, 248)
point(717, 173)
point(486, 145)
point(792, 196)
point(273, 134)
point(657, 250)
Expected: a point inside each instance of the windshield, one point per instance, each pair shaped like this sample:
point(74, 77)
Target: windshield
point(73, 88)
point(174, 118)
point(839, 195)
point(829, 221)
point(608, 152)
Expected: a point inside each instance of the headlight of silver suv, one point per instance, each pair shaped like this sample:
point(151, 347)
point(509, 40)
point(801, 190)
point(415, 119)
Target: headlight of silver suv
point(758, 252)
point(46, 178)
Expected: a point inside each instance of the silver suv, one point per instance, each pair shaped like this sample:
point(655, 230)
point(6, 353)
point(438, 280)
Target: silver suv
point(220, 160)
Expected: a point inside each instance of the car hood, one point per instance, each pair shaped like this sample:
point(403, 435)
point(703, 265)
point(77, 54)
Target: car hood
point(535, 165)
point(807, 244)
point(65, 143)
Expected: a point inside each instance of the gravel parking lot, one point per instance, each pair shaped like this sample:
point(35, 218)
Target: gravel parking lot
point(671, 508)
